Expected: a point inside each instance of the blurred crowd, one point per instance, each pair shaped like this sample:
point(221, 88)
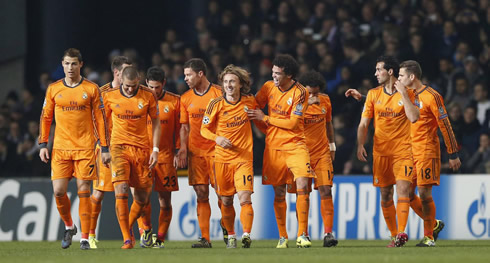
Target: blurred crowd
point(339, 38)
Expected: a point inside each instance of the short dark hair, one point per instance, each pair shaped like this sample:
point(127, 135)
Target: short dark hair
point(313, 79)
point(196, 64)
point(130, 73)
point(73, 53)
point(155, 73)
point(119, 61)
point(287, 63)
point(412, 67)
point(390, 62)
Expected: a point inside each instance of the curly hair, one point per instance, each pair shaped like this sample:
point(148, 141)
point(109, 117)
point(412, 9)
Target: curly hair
point(313, 79)
point(287, 63)
point(242, 74)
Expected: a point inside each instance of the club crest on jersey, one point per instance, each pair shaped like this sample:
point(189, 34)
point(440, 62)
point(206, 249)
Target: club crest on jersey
point(166, 109)
point(205, 120)
point(245, 109)
point(114, 174)
point(84, 96)
point(441, 110)
point(418, 103)
point(299, 107)
point(400, 103)
point(324, 110)
point(290, 101)
point(140, 105)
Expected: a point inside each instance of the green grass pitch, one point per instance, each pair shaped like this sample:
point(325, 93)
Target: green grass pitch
point(261, 251)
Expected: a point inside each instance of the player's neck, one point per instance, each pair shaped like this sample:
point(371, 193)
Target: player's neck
point(390, 85)
point(287, 85)
point(202, 87)
point(115, 83)
point(418, 86)
point(233, 97)
point(71, 82)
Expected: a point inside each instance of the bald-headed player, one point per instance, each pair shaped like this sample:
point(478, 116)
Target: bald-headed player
point(134, 154)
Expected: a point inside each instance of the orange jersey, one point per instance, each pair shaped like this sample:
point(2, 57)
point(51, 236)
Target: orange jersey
point(192, 108)
point(288, 104)
point(433, 115)
point(169, 112)
point(391, 125)
point(76, 110)
point(316, 118)
point(223, 118)
point(103, 90)
point(129, 115)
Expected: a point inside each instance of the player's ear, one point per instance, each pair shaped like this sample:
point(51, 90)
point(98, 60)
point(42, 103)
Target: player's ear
point(412, 77)
point(164, 82)
point(390, 72)
point(81, 63)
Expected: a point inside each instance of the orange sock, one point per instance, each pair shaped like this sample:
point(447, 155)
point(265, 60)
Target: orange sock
point(228, 217)
point(64, 208)
point(144, 221)
point(402, 209)
point(122, 213)
point(96, 207)
point(203, 215)
point(302, 208)
point(416, 206)
point(85, 212)
point(429, 209)
point(389, 214)
point(135, 212)
point(326, 207)
point(247, 217)
point(164, 222)
point(280, 207)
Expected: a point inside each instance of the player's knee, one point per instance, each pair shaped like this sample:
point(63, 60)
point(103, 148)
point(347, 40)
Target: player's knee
point(227, 200)
point(59, 192)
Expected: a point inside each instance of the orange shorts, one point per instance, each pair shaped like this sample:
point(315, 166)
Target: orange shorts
point(388, 169)
point(282, 165)
point(103, 182)
point(233, 177)
point(324, 171)
point(427, 171)
point(200, 170)
point(130, 163)
point(73, 163)
point(165, 176)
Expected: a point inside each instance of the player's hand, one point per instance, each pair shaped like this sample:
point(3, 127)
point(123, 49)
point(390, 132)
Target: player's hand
point(255, 114)
point(223, 142)
point(106, 159)
point(44, 155)
point(332, 155)
point(182, 157)
point(400, 88)
point(455, 164)
point(153, 159)
point(313, 100)
point(361, 153)
point(353, 93)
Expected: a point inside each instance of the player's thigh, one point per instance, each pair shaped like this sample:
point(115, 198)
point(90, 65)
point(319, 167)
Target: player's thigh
point(62, 164)
point(403, 169)
point(383, 171)
point(324, 171)
point(84, 165)
point(165, 176)
point(298, 161)
point(104, 175)
point(428, 171)
point(224, 173)
point(274, 170)
point(120, 163)
point(244, 177)
point(141, 177)
point(199, 172)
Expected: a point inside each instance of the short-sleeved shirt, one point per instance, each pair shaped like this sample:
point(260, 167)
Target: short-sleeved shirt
point(316, 118)
point(433, 115)
point(287, 104)
point(129, 115)
point(169, 112)
point(192, 108)
point(76, 110)
point(230, 120)
point(391, 125)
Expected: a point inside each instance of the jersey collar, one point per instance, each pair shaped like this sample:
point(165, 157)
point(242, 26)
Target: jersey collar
point(200, 95)
point(122, 93)
point(78, 84)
